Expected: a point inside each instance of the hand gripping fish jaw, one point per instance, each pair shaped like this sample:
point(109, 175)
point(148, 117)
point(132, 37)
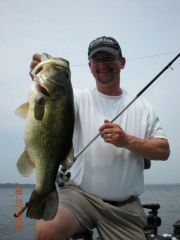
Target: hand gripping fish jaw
point(52, 69)
point(47, 59)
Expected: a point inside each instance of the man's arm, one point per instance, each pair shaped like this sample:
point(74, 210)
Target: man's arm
point(153, 148)
point(150, 148)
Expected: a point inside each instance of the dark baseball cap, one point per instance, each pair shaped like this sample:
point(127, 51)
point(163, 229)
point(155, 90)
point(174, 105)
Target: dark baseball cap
point(104, 44)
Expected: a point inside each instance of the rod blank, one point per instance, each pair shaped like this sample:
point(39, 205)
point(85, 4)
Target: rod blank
point(133, 100)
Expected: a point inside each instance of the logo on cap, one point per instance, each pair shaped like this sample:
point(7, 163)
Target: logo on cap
point(106, 44)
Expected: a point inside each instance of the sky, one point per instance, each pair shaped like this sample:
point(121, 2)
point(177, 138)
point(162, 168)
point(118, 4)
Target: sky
point(149, 35)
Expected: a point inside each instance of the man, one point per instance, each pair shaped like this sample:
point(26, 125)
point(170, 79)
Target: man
point(107, 179)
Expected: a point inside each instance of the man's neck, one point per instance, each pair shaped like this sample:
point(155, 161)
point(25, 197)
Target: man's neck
point(111, 91)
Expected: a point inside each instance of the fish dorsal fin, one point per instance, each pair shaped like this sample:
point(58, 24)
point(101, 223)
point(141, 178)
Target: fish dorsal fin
point(22, 110)
point(25, 165)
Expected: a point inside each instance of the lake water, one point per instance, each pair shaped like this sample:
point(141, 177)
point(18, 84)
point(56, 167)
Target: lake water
point(168, 196)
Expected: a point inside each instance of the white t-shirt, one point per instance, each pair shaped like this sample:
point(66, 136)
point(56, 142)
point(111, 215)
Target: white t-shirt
point(104, 170)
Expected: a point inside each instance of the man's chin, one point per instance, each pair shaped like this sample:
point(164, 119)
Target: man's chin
point(105, 83)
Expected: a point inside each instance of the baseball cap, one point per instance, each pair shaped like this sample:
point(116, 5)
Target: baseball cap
point(104, 44)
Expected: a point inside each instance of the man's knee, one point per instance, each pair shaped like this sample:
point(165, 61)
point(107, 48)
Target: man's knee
point(41, 231)
point(63, 226)
point(47, 230)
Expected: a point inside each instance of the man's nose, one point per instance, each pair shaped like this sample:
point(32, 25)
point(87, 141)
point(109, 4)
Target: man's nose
point(102, 64)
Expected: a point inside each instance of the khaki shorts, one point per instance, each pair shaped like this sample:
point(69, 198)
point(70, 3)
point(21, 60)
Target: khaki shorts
point(123, 222)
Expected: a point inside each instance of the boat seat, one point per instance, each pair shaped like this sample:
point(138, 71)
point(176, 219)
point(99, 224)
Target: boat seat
point(87, 235)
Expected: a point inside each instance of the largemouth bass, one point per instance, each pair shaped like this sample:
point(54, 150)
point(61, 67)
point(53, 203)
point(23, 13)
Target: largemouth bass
point(49, 128)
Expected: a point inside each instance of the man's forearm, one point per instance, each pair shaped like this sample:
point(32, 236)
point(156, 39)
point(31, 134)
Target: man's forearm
point(153, 148)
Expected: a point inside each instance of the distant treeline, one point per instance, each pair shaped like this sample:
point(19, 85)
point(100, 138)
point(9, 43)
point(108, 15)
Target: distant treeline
point(14, 185)
point(28, 185)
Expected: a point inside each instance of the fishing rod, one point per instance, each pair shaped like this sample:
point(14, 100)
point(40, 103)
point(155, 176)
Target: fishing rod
point(133, 100)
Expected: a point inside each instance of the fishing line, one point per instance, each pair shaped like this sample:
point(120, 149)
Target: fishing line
point(166, 76)
point(132, 59)
point(132, 101)
point(151, 56)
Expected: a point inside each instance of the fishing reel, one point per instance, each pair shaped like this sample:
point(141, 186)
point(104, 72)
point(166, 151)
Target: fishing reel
point(153, 220)
point(63, 176)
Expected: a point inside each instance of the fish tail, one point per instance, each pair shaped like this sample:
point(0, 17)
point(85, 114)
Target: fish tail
point(43, 206)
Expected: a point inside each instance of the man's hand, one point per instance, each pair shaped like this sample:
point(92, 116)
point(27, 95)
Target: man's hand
point(149, 148)
point(36, 58)
point(113, 133)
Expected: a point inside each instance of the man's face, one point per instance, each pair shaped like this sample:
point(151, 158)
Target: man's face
point(106, 68)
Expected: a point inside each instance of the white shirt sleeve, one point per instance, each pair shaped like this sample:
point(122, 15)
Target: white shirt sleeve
point(154, 129)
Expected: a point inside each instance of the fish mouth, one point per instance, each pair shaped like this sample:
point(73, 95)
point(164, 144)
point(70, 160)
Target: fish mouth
point(42, 90)
point(42, 86)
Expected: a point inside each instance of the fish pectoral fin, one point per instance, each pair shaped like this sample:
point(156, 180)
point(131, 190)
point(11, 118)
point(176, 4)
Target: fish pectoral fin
point(25, 165)
point(22, 110)
point(43, 207)
point(39, 109)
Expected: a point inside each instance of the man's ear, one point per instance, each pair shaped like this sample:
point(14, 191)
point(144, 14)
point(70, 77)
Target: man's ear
point(89, 63)
point(123, 62)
